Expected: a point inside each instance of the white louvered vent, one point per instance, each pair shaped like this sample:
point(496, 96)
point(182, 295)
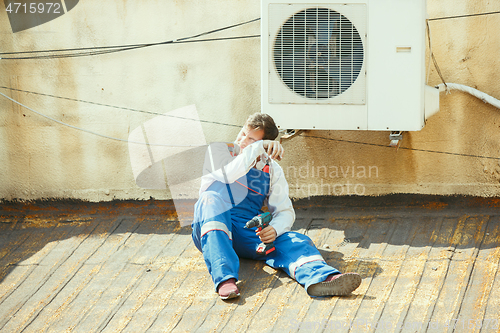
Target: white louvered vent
point(318, 53)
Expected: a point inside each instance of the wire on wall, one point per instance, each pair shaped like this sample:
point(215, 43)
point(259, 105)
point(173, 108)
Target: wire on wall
point(121, 107)
point(77, 52)
point(431, 56)
point(403, 148)
point(98, 50)
point(449, 86)
point(462, 16)
point(91, 132)
point(303, 135)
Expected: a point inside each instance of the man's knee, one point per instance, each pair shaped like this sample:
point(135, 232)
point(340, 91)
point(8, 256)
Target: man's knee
point(216, 226)
point(209, 198)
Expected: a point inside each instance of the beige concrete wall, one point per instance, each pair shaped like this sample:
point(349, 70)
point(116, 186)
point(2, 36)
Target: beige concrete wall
point(42, 159)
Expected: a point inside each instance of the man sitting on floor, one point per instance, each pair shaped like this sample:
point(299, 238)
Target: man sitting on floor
point(238, 180)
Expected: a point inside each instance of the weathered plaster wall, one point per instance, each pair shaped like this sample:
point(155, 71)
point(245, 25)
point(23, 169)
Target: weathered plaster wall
point(42, 159)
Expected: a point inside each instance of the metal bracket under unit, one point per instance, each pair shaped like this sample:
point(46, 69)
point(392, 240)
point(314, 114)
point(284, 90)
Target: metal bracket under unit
point(290, 133)
point(395, 137)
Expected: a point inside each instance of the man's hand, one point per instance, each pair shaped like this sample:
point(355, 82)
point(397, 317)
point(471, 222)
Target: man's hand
point(267, 235)
point(274, 149)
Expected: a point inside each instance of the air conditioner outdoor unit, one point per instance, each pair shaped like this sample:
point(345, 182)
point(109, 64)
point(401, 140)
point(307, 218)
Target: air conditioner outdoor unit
point(354, 65)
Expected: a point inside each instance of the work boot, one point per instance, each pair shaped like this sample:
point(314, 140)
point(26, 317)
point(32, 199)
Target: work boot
point(336, 285)
point(228, 289)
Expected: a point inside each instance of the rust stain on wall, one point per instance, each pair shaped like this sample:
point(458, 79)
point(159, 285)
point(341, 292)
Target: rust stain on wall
point(435, 205)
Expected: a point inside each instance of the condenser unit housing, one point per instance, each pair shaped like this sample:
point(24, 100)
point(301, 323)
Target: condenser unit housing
point(354, 65)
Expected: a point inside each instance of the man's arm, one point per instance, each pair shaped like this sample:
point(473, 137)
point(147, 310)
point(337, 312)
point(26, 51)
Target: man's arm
point(279, 202)
point(225, 167)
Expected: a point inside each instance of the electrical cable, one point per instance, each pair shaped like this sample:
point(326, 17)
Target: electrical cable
point(404, 148)
point(112, 49)
point(431, 56)
point(462, 16)
point(448, 86)
point(122, 46)
point(122, 108)
point(90, 51)
point(224, 124)
point(97, 50)
point(137, 45)
point(430, 52)
point(94, 133)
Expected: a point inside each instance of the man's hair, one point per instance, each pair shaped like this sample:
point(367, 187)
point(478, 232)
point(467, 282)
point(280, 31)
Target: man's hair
point(265, 122)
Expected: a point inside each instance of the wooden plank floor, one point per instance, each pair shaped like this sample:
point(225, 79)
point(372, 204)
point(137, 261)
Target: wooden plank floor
point(429, 264)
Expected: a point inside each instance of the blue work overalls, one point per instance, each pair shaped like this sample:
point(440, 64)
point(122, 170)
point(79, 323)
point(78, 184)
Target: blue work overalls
point(218, 232)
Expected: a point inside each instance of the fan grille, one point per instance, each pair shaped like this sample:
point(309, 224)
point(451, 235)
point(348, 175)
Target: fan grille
point(318, 53)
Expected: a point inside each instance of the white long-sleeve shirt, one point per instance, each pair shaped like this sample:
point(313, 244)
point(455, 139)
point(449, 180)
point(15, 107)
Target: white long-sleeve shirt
point(227, 164)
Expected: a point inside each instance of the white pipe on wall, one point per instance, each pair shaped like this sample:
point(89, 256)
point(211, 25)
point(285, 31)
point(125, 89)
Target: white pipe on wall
point(474, 92)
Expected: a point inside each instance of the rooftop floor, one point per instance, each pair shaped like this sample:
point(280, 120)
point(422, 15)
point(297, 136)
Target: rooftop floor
point(428, 264)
